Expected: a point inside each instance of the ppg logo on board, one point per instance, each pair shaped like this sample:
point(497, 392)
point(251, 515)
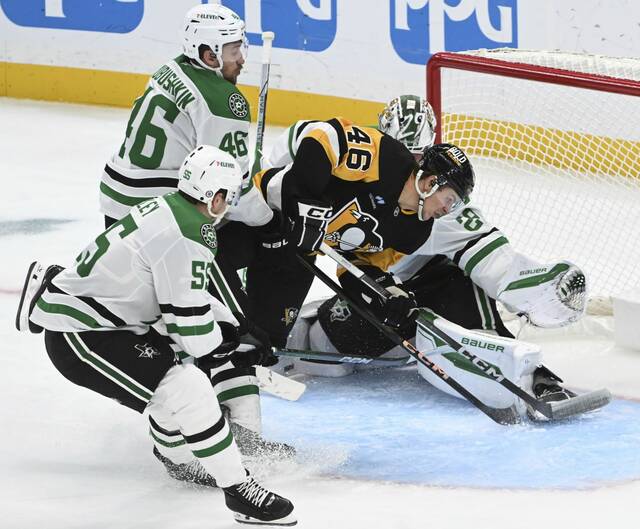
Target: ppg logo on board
point(308, 25)
point(420, 28)
point(106, 16)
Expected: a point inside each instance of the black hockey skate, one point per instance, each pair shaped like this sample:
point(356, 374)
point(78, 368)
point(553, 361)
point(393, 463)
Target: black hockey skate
point(252, 444)
point(547, 388)
point(34, 284)
point(192, 472)
point(252, 504)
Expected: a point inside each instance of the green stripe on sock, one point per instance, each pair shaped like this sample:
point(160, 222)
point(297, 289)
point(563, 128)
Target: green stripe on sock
point(166, 443)
point(240, 391)
point(216, 448)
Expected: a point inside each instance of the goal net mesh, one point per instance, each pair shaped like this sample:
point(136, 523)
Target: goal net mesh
point(558, 167)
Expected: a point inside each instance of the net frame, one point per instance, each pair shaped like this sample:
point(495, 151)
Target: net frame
point(574, 70)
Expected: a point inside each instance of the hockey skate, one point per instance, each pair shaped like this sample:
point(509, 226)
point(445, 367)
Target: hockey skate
point(34, 284)
point(192, 472)
point(547, 388)
point(252, 444)
point(252, 504)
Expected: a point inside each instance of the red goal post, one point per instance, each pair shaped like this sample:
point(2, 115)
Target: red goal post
point(555, 141)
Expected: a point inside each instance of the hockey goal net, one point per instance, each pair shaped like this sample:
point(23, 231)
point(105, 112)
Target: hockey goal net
point(555, 141)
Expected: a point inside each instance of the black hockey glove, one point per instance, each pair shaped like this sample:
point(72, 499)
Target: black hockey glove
point(310, 226)
point(222, 353)
point(262, 352)
point(397, 312)
point(274, 245)
point(400, 310)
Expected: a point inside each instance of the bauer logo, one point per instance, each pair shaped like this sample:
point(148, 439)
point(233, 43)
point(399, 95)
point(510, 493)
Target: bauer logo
point(308, 25)
point(420, 28)
point(106, 16)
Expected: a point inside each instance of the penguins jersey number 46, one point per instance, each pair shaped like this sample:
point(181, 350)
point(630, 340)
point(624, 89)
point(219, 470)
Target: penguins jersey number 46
point(358, 170)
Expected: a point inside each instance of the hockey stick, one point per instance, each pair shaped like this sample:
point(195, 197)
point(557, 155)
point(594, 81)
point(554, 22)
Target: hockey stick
point(279, 385)
point(304, 354)
point(267, 41)
point(274, 383)
point(551, 410)
point(499, 415)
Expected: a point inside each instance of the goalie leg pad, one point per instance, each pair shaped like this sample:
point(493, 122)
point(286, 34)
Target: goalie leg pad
point(505, 357)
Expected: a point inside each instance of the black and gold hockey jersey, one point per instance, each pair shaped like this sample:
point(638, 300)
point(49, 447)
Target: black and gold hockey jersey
point(361, 172)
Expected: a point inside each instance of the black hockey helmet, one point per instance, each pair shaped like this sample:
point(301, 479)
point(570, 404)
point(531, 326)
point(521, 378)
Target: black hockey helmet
point(450, 166)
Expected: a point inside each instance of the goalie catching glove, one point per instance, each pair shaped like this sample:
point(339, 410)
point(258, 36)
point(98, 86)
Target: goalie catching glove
point(549, 296)
point(399, 311)
point(310, 226)
point(245, 333)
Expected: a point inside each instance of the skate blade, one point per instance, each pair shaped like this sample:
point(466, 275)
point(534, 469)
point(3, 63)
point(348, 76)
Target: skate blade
point(580, 404)
point(286, 521)
point(28, 290)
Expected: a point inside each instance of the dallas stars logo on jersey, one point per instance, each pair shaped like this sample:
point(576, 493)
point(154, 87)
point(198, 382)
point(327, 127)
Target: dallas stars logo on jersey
point(146, 350)
point(208, 233)
point(238, 105)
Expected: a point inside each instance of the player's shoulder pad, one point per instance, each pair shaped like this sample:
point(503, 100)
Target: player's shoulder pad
point(221, 97)
point(396, 162)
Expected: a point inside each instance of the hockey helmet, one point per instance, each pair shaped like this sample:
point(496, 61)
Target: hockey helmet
point(213, 25)
point(206, 171)
point(410, 120)
point(451, 168)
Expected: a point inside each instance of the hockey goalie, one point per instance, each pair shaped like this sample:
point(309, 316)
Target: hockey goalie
point(456, 277)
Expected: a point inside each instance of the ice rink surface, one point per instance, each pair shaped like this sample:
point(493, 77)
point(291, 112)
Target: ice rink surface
point(376, 450)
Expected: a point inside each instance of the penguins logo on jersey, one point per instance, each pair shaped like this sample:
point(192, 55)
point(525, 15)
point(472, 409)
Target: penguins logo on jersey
point(208, 233)
point(353, 229)
point(290, 315)
point(238, 105)
point(146, 350)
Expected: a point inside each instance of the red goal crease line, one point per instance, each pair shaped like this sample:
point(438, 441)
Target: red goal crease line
point(10, 291)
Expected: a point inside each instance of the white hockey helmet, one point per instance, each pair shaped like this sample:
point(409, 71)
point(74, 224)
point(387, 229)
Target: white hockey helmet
point(410, 120)
point(213, 25)
point(208, 170)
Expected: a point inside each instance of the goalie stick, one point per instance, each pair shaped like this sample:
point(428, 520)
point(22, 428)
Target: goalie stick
point(499, 415)
point(552, 410)
point(267, 41)
point(305, 354)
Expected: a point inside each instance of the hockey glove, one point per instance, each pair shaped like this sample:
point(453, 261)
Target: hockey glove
point(398, 311)
point(262, 352)
point(273, 243)
point(222, 353)
point(310, 226)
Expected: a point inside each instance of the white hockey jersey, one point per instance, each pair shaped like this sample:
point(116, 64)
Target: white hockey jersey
point(151, 266)
point(183, 106)
point(475, 245)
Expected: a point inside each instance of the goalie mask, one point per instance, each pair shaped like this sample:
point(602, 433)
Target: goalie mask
point(410, 120)
point(206, 171)
point(451, 168)
point(214, 25)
